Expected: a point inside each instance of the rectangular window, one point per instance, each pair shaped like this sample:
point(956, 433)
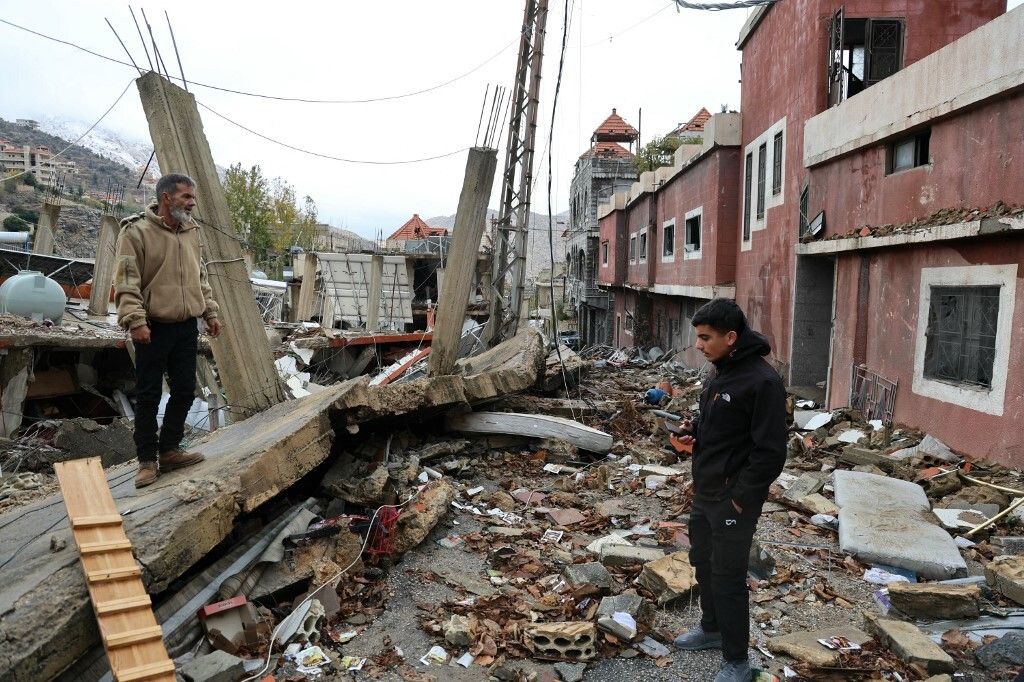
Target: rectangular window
point(861, 52)
point(961, 335)
point(777, 165)
point(692, 244)
point(910, 152)
point(668, 248)
point(762, 167)
point(804, 218)
point(749, 170)
point(632, 248)
point(604, 253)
point(643, 246)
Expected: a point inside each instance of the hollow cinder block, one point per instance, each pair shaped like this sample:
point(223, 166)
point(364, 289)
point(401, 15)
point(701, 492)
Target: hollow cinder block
point(575, 641)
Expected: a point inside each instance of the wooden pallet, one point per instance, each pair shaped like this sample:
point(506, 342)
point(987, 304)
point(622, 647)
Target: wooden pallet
point(131, 636)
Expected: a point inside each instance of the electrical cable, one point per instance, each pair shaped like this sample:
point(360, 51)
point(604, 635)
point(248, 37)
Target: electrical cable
point(303, 100)
point(717, 6)
point(82, 136)
point(328, 156)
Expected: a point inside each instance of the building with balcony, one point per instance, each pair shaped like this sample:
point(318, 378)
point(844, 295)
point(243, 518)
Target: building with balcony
point(37, 160)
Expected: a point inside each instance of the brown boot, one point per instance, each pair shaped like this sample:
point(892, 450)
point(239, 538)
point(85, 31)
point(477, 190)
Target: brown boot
point(146, 475)
point(178, 459)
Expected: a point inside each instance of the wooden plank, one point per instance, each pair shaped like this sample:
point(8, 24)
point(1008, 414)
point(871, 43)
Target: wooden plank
point(131, 636)
point(470, 221)
point(246, 367)
point(533, 425)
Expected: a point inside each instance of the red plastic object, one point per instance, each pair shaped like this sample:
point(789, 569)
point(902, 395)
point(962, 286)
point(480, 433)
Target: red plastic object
point(382, 532)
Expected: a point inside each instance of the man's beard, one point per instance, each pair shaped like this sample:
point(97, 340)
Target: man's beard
point(181, 215)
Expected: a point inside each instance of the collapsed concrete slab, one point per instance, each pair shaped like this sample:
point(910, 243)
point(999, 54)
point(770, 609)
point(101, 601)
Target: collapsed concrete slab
point(889, 521)
point(46, 622)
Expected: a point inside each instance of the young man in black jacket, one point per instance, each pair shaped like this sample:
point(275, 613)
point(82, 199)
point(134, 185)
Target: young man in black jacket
point(739, 450)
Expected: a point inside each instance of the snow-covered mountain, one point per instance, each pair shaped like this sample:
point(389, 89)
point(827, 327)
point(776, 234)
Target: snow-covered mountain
point(131, 153)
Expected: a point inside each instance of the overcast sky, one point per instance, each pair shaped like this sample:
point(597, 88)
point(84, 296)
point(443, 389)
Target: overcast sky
point(670, 64)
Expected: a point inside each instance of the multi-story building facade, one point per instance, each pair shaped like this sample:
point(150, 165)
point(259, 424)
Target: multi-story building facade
point(877, 191)
point(37, 160)
point(607, 167)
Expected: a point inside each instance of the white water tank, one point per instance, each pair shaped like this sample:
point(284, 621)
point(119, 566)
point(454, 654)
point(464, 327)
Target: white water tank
point(33, 295)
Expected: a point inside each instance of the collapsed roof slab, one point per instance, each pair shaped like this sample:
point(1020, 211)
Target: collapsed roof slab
point(46, 622)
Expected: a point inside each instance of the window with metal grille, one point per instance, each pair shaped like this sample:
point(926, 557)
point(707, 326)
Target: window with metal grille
point(804, 220)
point(861, 52)
point(748, 172)
point(643, 246)
point(632, 248)
point(668, 248)
point(961, 335)
point(777, 164)
point(762, 167)
point(604, 253)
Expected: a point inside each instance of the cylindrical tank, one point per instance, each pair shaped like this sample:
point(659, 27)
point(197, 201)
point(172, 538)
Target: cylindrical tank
point(33, 295)
point(14, 237)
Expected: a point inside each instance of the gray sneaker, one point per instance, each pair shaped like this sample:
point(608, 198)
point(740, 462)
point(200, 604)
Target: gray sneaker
point(734, 671)
point(697, 639)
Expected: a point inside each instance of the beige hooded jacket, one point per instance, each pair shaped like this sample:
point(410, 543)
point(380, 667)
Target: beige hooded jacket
point(160, 276)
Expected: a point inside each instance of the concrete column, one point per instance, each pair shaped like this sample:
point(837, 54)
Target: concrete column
point(469, 227)
point(440, 281)
point(103, 270)
point(373, 297)
point(43, 241)
point(15, 368)
point(243, 356)
point(307, 290)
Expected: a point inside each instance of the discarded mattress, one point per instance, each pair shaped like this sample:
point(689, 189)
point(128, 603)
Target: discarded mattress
point(889, 521)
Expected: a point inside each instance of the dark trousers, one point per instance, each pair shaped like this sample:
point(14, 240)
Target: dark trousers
point(171, 351)
point(720, 541)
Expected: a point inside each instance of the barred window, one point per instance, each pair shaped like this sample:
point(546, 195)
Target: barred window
point(961, 335)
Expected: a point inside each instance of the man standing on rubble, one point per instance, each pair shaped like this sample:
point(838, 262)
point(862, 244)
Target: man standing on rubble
point(739, 450)
point(161, 290)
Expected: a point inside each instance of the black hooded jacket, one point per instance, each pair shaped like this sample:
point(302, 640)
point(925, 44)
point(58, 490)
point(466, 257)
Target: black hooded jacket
point(741, 432)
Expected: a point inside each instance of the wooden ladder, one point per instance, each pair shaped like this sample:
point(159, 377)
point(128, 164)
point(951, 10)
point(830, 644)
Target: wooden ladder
point(131, 636)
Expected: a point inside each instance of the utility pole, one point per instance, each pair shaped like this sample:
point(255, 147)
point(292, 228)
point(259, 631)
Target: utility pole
point(511, 228)
point(242, 353)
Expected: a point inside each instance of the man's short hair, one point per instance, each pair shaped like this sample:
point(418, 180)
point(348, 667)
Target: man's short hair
point(169, 183)
point(721, 314)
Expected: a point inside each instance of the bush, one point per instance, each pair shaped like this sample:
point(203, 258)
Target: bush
point(13, 223)
point(30, 180)
point(27, 214)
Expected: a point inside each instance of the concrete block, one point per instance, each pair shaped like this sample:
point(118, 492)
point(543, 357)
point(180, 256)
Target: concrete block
point(804, 646)
point(888, 521)
point(1006, 574)
point(819, 504)
point(910, 644)
point(639, 608)
point(935, 601)
point(622, 555)
point(457, 631)
point(1010, 544)
point(591, 573)
point(218, 666)
point(1006, 651)
point(576, 641)
point(669, 577)
point(808, 484)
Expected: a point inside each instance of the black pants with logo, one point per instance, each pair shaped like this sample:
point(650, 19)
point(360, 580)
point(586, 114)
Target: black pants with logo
point(720, 540)
point(171, 351)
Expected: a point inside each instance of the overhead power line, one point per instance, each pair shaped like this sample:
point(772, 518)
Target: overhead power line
point(328, 156)
point(717, 6)
point(279, 98)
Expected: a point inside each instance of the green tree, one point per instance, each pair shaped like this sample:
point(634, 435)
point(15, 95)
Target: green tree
point(249, 203)
point(13, 223)
point(291, 225)
point(27, 214)
point(30, 180)
point(657, 153)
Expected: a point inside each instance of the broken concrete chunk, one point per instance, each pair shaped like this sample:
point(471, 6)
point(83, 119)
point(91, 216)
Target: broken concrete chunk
point(576, 641)
point(457, 631)
point(591, 573)
point(1004, 652)
point(669, 577)
point(807, 484)
point(346, 480)
point(641, 610)
point(804, 646)
point(888, 521)
point(959, 519)
point(935, 601)
point(1011, 544)
point(819, 504)
point(620, 624)
point(1006, 574)
point(217, 666)
point(803, 417)
point(974, 495)
point(570, 672)
point(420, 517)
point(910, 644)
point(622, 555)
point(930, 446)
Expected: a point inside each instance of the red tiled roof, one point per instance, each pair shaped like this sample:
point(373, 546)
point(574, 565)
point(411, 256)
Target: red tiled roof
point(695, 124)
point(614, 129)
point(415, 228)
point(608, 150)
